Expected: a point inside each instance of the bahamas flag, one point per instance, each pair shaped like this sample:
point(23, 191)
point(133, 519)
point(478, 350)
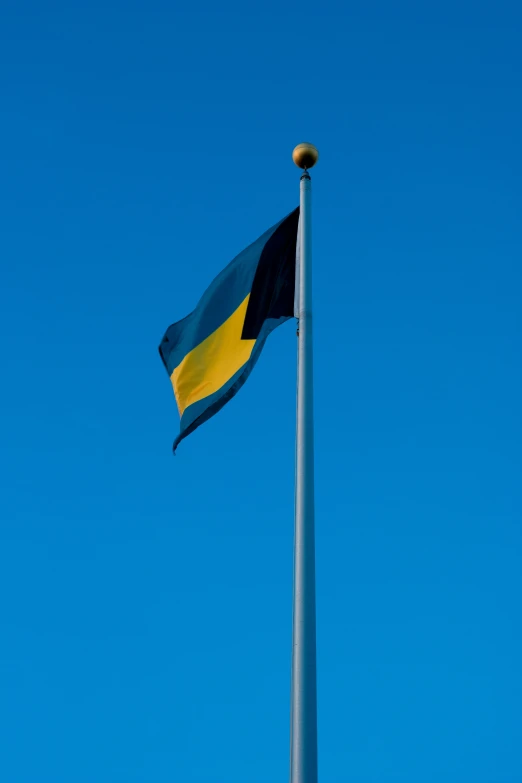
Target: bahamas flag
point(210, 353)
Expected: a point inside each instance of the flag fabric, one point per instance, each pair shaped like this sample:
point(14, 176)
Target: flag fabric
point(210, 353)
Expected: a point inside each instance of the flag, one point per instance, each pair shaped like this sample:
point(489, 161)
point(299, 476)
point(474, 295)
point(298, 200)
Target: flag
point(210, 353)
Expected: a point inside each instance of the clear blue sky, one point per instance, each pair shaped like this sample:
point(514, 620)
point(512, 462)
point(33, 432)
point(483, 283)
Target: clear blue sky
point(145, 617)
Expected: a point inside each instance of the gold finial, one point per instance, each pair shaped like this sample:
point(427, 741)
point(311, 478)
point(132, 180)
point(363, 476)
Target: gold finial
point(305, 155)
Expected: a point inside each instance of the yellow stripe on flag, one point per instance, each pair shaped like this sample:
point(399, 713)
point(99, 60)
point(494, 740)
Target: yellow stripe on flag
point(213, 362)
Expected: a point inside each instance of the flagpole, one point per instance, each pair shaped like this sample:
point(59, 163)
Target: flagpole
point(303, 726)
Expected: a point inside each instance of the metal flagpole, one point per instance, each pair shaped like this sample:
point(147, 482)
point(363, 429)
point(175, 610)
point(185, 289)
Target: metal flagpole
point(303, 728)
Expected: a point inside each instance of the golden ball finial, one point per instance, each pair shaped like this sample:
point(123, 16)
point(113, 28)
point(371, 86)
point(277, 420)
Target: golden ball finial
point(305, 156)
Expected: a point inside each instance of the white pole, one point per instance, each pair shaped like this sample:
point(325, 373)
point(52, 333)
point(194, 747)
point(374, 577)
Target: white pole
point(303, 730)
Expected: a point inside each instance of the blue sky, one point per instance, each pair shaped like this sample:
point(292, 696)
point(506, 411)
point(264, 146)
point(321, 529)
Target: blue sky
point(145, 620)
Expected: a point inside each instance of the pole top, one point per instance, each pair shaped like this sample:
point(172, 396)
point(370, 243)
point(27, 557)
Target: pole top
point(305, 155)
